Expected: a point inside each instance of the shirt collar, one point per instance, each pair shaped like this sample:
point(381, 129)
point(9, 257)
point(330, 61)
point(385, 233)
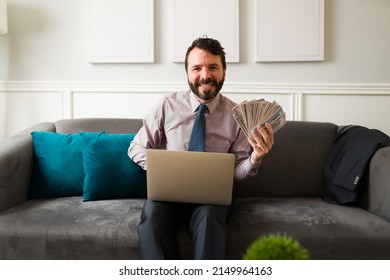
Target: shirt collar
point(210, 106)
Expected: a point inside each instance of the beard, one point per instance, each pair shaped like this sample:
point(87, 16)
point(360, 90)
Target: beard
point(206, 95)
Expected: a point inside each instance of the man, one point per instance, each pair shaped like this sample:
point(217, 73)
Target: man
point(168, 126)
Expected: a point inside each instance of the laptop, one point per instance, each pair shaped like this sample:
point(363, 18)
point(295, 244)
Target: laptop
point(192, 177)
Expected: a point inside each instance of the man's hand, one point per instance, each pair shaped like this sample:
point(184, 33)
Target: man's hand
point(261, 141)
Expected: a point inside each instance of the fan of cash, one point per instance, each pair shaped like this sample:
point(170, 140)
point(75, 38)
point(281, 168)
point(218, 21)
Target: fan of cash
point(250, 114)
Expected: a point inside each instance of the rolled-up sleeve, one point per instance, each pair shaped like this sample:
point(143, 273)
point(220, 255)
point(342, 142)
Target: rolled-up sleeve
point(137, 152)
point(244, 168)
point(150, 136)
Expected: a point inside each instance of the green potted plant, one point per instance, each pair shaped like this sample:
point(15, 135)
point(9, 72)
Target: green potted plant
point(276, 247)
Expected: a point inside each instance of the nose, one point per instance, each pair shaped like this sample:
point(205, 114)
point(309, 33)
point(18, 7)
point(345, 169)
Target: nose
point(206, 73)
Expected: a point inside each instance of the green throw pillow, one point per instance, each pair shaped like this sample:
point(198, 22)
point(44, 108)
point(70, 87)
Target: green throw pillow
point(109, 172)
point(58, 165)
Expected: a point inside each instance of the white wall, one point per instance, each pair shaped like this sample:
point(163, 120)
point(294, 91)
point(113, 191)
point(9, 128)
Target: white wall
point(44, 73)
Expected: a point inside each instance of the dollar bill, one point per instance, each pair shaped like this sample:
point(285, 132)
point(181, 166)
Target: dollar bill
point(250, 114)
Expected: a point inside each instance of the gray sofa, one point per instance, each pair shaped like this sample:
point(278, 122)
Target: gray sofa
point(285, 197)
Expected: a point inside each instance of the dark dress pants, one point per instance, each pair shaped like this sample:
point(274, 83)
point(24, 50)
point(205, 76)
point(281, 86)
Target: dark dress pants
point(160, 220)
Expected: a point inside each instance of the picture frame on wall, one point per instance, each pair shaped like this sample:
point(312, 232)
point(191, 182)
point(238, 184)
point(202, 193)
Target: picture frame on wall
point(289, 30)
point(120, 31)
point(223, 26)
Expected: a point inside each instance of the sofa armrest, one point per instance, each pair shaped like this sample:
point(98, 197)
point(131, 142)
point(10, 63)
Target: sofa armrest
point(16, 158)
point(379, 184)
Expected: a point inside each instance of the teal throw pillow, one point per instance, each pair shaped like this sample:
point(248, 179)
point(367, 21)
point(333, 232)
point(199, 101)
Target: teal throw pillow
point(109, 172)
point(57, 166)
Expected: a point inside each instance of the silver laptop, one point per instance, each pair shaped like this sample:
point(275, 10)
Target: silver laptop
point(193, 177)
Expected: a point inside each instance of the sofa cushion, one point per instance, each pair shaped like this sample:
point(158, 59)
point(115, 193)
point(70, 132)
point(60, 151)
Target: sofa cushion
point(109, 172)
point(58, 166)
point(91, 164)
point(327, 231)
point(67, 228)
point(295, 164)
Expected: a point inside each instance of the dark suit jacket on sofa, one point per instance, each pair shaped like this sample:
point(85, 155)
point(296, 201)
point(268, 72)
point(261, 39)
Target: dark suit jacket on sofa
point(347, 162)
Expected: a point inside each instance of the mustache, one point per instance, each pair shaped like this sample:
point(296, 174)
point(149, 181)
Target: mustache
point(205, 82)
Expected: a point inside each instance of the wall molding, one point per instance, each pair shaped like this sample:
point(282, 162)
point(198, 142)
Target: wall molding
point(29, 102)
point(166, 87)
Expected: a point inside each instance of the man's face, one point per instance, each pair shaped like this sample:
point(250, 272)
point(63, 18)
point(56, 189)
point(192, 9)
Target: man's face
point(205, 74)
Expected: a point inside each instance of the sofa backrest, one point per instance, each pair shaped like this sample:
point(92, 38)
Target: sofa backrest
point(293, 167)
point(295, 164)
point(108, 125)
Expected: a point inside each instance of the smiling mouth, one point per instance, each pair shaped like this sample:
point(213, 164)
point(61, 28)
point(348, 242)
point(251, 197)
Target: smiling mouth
point(206, 84)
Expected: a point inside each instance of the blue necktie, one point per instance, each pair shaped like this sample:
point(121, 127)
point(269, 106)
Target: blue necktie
point(198, 131)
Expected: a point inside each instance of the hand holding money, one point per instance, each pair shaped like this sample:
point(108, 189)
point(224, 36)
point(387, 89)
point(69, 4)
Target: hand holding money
point(259, 120)
point(250, 114)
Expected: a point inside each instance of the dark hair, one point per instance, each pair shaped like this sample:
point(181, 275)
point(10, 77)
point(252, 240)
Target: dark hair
point(208, 44)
